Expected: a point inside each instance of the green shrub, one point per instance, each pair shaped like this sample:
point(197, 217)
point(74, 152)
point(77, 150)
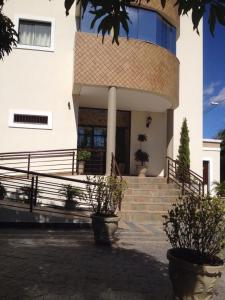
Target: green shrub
point(70, 193)
point(83, 155)
point(219, 188)
point(197, 223)
point(105, 194)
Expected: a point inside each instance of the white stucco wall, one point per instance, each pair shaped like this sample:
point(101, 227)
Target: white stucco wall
point(190, 54)
point(40, 81)
point(156, 141)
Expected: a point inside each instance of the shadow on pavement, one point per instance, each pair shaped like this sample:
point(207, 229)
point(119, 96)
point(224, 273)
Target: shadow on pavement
point(64, 267)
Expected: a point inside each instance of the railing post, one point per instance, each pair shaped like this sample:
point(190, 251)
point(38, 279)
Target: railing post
point(36, 191)
point(168, 170)
point(73, 160)
point(32, 194)
point(28, 166)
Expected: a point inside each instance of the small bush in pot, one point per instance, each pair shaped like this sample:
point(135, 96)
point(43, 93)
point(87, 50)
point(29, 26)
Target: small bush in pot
point(141, 156)
point(3, 191)
point(104, 196)
point(82, 157)
point(195, 228)
point(71, 194)
point(26, 191)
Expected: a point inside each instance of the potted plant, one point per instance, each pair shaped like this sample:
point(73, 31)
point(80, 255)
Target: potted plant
point(3, 191)
point(219, 188)
point(142, 157)
point(26, 192)
point(104, 195)
point(70, 193)
point(195, 228)
point(82, 157)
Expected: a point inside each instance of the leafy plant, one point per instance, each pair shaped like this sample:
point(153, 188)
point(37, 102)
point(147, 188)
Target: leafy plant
point(141, 156)
point(183, 159)
point(8, 35)
point(26, 190)
point(142, 138)
point(113, 14)
point(197, 224)
point(3, 191)
point(70, 193)
point(83, 155)
point(219, 188)
point(104, 194)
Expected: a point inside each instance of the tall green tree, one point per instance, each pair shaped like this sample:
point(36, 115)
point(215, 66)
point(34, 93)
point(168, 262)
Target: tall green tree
point(183, 153)
point(221, 136)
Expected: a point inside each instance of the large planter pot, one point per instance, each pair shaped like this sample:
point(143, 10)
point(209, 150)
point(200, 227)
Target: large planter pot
point(141, 171)
point(104, 229)
point(80, 168)
point(192, 281)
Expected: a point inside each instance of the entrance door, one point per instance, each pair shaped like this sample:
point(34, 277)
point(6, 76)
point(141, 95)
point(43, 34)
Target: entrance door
point(206, 173)
point(122, 149)
point(93, 138)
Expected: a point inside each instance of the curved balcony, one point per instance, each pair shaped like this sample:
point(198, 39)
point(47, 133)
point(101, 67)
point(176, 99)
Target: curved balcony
point(133, 65)
point(169, 12)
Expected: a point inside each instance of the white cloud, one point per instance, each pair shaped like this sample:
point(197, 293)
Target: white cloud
point(219, 98)
point(208, 91)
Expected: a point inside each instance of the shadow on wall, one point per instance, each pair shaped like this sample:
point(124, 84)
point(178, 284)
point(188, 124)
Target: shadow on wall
point(63, 268)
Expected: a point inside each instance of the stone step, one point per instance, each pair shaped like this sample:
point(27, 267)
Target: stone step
point(150, 192)
point(134, 206)
point(151, 186)
point(149, 199)
point(143, 217)
point(135, 179)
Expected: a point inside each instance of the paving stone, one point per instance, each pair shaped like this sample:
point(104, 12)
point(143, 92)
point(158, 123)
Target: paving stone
point(52, 265)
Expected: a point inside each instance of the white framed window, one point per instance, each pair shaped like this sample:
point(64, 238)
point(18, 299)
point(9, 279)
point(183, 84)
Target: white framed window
point(35, 33)
point(30, 119)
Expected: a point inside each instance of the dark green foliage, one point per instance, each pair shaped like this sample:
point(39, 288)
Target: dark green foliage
point(221, 135)
point(8, 35)
point(3, 191)
point(183, 154)
point(83, 155)
point(197, 223)
point(104, 195)
point(70, 193)
point(26, 192)
point(141, 156)
point(219, 188)
point(115, 15)
point(142, 138)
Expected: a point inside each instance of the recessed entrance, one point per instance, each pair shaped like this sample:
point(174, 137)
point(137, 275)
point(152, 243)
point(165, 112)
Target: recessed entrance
point(92, 135)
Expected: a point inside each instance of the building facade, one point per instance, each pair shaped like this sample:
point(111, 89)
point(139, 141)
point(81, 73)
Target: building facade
point(62, 88)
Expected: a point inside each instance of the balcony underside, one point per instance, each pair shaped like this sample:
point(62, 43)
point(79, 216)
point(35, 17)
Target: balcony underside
point(127, 99)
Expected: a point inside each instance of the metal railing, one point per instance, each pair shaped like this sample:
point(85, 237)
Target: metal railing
point(188, 181)
point(55, 161)
point(115, 171)
point(43, 190)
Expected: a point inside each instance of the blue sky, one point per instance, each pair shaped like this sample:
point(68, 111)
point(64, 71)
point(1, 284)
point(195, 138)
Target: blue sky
point(214, 80)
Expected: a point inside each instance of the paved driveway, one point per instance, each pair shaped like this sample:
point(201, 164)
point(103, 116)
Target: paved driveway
point(38, 264)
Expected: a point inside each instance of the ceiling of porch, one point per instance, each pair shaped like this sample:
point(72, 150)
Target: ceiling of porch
point(127, 99)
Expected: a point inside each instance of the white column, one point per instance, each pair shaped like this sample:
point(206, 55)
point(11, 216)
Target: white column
point(111, 128)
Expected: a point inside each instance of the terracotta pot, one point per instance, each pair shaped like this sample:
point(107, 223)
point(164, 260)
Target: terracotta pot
point(141, 171)
point(192, 281)
point(104, 229)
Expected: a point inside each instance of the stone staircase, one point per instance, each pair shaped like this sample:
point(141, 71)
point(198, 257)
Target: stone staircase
point(147, 199)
